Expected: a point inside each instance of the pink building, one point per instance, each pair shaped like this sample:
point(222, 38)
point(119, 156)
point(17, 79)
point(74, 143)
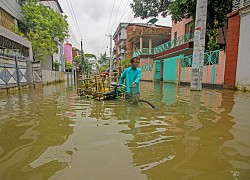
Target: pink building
point(68, 52)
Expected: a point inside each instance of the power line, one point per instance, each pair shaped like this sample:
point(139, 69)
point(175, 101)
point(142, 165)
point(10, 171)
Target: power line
point(110, 15)
point(107, 26)
point(75, 19)
point(115, 17)
point(73, 34)
point(124, 10)
point(129, 16)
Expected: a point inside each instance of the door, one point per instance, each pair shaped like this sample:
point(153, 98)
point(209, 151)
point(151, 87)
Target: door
point(157, 70)
point(169, 72)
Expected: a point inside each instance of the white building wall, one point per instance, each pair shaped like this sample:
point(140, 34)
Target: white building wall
point(243, 65)
point(51, 4)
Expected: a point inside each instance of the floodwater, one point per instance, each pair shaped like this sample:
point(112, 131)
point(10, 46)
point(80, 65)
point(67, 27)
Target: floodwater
point(51, 133)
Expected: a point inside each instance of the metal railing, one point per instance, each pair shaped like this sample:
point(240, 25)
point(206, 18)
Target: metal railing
point(144, 51)
point(165, 46)
point(210, 58)
point(7, 53)
point(237, 4)
point(174, 43)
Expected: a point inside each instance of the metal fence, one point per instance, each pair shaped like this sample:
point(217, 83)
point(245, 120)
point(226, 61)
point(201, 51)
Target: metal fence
point(13, 69)
point(237, 4)
point(210, 58)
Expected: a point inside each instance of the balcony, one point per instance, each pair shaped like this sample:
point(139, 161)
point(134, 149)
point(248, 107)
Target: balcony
point(174, 43)
point(238, 4)
point(144, 51)
point(166, 46)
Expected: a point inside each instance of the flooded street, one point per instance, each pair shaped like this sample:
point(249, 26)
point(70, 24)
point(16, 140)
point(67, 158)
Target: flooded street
point(51, 133)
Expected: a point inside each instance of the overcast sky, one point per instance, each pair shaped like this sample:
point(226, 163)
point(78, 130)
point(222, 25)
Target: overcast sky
point(92, 19)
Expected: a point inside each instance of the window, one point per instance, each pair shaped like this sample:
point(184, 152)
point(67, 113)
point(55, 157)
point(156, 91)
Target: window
point(175, 34)
point(189, 27)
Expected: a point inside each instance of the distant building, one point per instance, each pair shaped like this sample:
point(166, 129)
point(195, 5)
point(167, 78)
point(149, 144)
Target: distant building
point(120, 37)
point(142, 41)
point(68, 52)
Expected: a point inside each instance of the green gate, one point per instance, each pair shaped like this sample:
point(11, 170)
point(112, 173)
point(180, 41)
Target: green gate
point(169, 71)
point(157, 70)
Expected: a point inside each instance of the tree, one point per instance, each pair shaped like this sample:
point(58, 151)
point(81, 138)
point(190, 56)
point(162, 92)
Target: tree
point(45, 28)
point(86, 66)
point(180, 9)
point(103, 59)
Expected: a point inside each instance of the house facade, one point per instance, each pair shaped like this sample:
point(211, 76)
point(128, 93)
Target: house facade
point(142, 39)
point(119, 38)
point(15, 52)
point(237, 66)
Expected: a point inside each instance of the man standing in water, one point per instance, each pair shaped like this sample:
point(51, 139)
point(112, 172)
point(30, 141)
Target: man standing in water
point(132, 75)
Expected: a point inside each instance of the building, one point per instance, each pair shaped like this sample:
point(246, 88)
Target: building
point(15, 52)
point(139, 40)
point(56, 58)
point(171, 61)
point(68, 52)
point(119, 38)
point(237, 66)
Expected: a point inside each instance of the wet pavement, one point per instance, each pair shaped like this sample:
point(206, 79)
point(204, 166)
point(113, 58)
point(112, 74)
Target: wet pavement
point(51, 133)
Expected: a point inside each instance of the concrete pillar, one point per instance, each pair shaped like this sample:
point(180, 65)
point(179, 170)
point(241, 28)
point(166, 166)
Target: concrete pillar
point(199, 45)
point(150, 45)
point(232, 50)
point(141, 43)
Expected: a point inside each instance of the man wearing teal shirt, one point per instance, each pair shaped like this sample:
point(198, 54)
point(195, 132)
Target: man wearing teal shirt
point(132, 75)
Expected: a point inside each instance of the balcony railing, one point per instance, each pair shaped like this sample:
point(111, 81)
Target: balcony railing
point(165, 46)
point(210, 58)
point(4, 53)
point(144, 51)
point(173, 43)
point(237, 4)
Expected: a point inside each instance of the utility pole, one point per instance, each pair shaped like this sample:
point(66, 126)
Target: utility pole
point(199, 45)
point(82, 53)
point(110, 36)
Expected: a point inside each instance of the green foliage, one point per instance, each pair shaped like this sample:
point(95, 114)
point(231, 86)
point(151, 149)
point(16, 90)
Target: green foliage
point(16, 30)
point(103, 68)
point(84, 68)
point(150, 8)
point(103, 59)
point(124, 63)
point(45, 28)
point(180, 9)
point(89, 56)
point(56, 66)
point(212, 44)
point(68, 66)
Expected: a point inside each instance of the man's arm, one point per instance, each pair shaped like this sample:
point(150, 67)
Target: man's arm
point(138, 76)
point(123, 76)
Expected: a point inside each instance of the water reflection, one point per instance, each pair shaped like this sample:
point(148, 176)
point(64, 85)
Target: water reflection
point(184, 138)
point(53, 133)
point(31, 123)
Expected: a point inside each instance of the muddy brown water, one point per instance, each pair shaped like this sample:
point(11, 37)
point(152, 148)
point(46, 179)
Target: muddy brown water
point(51, 133)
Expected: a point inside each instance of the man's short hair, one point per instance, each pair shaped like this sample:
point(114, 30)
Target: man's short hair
point(133, 59)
